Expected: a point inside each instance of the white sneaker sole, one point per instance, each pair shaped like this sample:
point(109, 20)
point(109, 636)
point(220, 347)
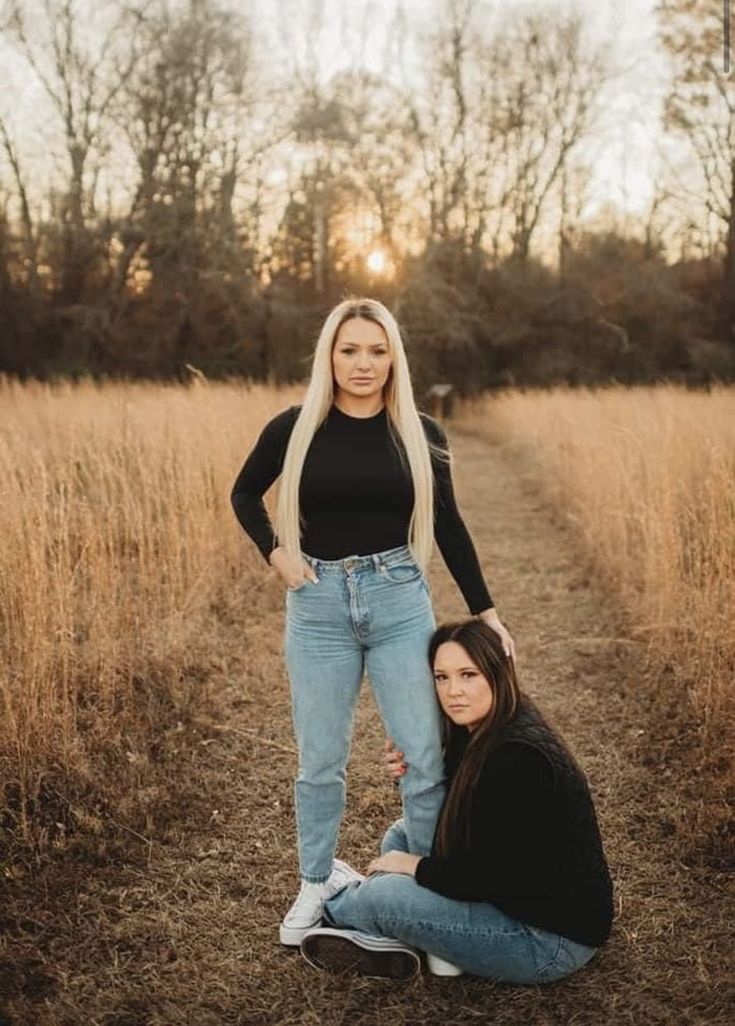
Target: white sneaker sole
point(292, 936)
point(438, 967)
point(339, 951)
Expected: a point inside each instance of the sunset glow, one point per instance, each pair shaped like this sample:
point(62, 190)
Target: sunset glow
point(376, 262)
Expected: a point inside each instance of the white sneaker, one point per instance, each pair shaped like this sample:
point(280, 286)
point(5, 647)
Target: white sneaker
point(438, 967)
point(304, 914)
point(337, 951)
point(306, 911)
point(341, 875)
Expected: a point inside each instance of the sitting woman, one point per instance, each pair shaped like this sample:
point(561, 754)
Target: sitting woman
point(516, 887)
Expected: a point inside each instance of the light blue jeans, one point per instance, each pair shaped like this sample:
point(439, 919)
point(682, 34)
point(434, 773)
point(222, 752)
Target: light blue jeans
point(473, 935)
point(367, 613)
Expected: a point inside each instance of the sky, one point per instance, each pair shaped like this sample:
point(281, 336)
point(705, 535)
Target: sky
point(624, 157)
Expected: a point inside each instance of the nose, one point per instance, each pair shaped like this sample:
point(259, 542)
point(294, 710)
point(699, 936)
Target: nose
point(455, 687)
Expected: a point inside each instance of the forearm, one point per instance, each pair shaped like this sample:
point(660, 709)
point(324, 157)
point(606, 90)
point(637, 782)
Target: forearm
point(253, 517)
point(460, 556)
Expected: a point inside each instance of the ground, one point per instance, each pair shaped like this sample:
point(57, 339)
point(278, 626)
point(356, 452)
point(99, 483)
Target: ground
point(180, 926)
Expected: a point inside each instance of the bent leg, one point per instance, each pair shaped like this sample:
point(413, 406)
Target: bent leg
point(475, 936)
point(394, 839)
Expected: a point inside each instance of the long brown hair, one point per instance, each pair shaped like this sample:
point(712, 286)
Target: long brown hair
point(483, 646)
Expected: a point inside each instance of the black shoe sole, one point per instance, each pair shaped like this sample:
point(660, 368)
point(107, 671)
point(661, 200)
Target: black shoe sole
point(340, 955)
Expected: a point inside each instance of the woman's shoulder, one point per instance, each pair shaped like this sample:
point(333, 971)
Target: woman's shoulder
point(433, 430)
point(281, 425)
point(515, 776)
point(529, 740)
point(530, 728)
point(519, 756)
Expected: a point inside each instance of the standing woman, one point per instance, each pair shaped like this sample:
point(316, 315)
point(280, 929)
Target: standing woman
point(365, 488)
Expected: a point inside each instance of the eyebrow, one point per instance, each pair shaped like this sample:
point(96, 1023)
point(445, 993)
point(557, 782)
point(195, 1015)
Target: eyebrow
point(461, 670)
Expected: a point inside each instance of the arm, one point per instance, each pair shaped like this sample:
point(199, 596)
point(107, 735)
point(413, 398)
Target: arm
point(453, 538)
point(260, 470)
point(450, 530)
point(455, 543)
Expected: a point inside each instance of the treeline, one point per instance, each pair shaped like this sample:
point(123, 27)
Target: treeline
point(215, 200)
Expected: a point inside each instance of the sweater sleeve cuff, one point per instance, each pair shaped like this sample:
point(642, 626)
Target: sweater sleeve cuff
point(423, 873)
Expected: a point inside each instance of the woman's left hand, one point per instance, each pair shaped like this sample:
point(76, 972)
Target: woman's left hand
point(491, 618)
point(395, 862)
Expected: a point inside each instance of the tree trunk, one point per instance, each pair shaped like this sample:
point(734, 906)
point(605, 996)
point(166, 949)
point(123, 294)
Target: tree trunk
point(728, 270)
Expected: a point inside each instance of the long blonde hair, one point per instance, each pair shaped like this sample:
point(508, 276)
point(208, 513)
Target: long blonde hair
point(403, 422)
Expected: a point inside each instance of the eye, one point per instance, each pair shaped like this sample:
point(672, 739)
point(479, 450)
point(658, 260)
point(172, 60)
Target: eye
point(469, 673)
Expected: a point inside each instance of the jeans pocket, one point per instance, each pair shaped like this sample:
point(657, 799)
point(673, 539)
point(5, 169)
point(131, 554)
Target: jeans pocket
point(298, 587)
point(402, 573)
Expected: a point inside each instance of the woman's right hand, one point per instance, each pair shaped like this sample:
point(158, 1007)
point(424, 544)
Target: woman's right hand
point(393, 765)
point(293, 570)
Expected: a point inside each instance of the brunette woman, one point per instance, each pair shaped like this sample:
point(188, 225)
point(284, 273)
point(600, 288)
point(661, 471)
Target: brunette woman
point(365, 487)
point(516, 887)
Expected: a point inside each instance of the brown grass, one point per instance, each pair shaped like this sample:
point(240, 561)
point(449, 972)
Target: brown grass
point(647, 478)
point(152, 897)
point(118, 542)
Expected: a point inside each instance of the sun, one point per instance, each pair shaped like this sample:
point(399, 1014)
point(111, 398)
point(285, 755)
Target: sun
point(376, 261)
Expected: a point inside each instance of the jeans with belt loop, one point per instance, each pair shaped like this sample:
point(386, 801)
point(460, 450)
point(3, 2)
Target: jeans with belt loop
point(366, 613)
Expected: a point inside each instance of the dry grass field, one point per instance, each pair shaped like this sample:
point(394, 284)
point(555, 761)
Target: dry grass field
point(647, 478)
point(147, 849)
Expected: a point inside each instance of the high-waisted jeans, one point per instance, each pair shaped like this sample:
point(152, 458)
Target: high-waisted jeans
point(367, 613)
point(473, 935)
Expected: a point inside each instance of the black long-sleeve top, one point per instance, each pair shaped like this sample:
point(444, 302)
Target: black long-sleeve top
point(356, 495)
point(534, 850)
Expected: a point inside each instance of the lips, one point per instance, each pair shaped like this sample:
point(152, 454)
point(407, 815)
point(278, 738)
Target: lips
point(362, 381)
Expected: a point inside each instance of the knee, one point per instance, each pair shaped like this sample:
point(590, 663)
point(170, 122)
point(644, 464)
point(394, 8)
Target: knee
point(319, 765)
point(394, 838)
point(383, 896)
point(425, 768)
point(319, 774)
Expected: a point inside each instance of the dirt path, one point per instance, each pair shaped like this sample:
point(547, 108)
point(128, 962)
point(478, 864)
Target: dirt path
point(188, 934)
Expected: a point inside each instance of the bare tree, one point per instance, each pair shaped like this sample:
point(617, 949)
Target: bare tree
point(183, 111)
point(701, 110)
point(30, 241)
point(506, 105)
point(552, 82)
point(80, 75)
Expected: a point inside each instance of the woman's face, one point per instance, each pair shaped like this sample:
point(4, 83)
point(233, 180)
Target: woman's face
point(463, 691)
point(360, 359)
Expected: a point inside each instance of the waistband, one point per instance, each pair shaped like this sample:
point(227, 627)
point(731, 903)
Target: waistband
point(373, 561)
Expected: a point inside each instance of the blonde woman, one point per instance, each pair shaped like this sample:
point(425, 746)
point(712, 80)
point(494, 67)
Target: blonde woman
point(365, 488)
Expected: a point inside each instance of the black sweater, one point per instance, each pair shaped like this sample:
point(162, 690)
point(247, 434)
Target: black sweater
point(356, 495)
point(535, 850)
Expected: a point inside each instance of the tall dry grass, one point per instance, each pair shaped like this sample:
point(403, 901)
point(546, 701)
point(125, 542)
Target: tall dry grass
point(119, 548)
point(647, 476)
point(117, 541)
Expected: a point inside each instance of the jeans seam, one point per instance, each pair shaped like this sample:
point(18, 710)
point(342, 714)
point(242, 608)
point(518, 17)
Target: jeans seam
point(553, 962)
point(456, 931)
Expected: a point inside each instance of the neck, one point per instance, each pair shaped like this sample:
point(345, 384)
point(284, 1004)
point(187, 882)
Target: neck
point(357, 406)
